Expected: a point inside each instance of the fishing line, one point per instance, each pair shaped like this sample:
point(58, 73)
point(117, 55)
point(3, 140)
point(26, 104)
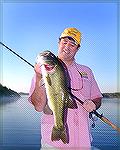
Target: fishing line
point(16, 54)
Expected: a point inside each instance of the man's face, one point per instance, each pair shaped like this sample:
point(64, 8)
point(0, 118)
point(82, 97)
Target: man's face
point(67, 49)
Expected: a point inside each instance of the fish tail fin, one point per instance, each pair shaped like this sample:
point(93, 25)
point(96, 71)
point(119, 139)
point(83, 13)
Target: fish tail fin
point(58, 134)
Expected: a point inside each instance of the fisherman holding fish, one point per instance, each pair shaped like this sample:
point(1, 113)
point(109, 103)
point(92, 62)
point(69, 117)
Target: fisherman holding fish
point(57, 81)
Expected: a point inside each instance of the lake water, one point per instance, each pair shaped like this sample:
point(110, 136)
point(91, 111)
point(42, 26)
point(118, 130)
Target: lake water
point(20, 126)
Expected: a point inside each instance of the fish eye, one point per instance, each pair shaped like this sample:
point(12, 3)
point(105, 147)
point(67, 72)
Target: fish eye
point(52, 55)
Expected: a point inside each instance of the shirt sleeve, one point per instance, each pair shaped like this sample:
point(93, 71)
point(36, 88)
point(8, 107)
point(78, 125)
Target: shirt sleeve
point(95, 91)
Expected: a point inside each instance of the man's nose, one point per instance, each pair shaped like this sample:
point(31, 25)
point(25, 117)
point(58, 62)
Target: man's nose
point(67, 45)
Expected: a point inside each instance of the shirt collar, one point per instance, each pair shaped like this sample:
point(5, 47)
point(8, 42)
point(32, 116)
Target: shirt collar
point(71, 65)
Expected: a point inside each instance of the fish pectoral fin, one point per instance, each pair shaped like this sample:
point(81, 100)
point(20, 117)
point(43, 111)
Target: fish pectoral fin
point(71, 103)
point(58, 134)
point(47, 110)
point(48, 80)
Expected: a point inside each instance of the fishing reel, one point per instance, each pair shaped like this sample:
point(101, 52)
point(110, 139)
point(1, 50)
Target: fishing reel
point(93, 117)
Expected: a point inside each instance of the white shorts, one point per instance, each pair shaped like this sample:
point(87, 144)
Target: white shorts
point(46, 146)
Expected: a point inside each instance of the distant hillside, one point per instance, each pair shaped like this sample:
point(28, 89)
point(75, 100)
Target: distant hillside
point(111, 95)
point(22, 93)
point(4, 91)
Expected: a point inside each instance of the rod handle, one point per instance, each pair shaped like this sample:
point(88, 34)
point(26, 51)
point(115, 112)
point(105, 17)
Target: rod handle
point(110, 123)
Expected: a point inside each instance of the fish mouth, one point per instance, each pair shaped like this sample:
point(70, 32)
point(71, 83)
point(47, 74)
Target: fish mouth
point(49, 67)
point(48, 60)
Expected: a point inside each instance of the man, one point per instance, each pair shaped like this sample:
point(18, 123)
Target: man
point(83, 86)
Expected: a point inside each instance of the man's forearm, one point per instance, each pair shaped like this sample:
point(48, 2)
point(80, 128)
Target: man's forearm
point(97, 102)
point(38, 97)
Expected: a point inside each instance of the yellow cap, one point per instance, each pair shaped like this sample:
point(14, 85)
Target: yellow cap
point(73, 33)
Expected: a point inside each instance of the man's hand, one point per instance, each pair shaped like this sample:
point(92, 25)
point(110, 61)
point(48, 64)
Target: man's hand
point(37, 68)
point(89, 105)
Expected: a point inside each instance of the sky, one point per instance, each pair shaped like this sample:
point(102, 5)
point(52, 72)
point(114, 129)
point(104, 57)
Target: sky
point(30, 28)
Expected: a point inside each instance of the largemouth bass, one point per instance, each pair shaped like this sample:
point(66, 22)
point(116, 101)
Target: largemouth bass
point(55, 77)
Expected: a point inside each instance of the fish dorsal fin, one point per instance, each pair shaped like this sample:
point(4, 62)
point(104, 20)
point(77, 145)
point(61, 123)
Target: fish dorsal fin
point(71, 103)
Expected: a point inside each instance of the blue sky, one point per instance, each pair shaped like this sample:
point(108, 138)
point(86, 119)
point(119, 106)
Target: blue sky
point(29, 28)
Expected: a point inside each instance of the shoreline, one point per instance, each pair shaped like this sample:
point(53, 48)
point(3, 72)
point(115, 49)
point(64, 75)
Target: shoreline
point(4, 99)
point(8, 99)
point(111, 95)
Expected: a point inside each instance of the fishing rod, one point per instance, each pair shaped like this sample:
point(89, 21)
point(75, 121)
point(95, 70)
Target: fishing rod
point(16, 54)
point(104, 119)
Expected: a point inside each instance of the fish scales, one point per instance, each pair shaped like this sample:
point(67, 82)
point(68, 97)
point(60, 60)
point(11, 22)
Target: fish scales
point(59, 99)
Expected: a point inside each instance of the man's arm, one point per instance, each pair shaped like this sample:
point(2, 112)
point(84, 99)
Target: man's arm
point(38, 97)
